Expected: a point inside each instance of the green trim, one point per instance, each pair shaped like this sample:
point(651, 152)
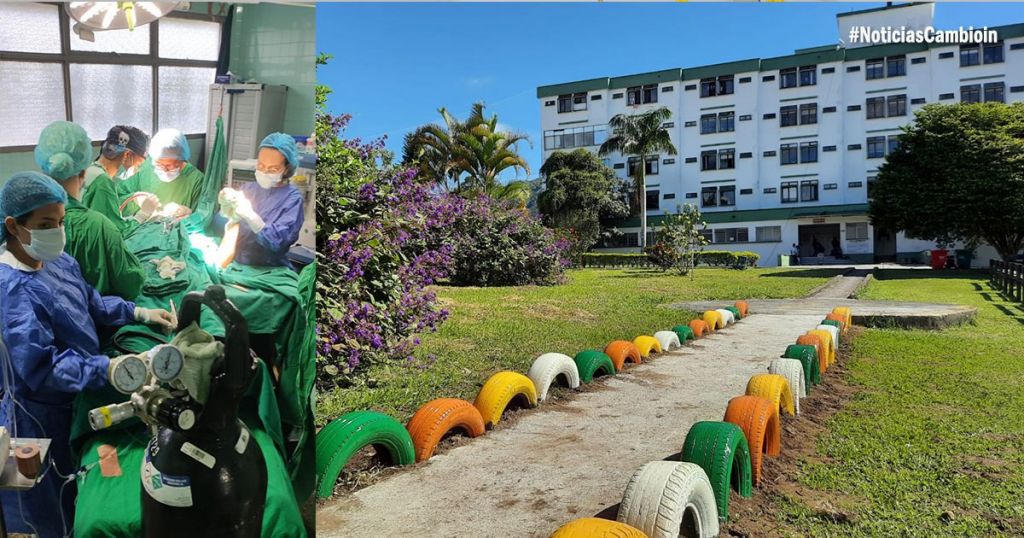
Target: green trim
point(797, 60)
point(887, 49)
point(798, 98)
point(798, 175)
point(891, 129)
point(820, 48)
point(982, 78)
point(798, 137)
point(887, 90)
point(717, 70)
point(572, 122)
point(654, 77)
point(718, 144)
point(717, 181)
point(754, 215)
point(717, 107)
point(554, 90)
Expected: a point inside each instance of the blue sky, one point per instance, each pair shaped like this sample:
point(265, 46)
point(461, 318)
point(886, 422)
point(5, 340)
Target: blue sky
point(395, 64)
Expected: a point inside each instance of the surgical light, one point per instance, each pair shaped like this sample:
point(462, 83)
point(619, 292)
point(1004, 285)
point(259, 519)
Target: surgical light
point(118, 15)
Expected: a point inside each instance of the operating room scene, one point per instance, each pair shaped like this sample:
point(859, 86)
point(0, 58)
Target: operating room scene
point(157, 269)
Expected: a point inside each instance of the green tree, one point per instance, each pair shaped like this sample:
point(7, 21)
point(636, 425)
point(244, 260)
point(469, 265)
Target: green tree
point(957, 175)
point(640, 135)
point(579, 191)
point(679, 239)
point(434, 151)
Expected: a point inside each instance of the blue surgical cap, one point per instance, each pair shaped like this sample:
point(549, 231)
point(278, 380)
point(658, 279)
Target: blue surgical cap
point(169, 144)
point(25, 192)
point(64, 150)
point(285, 143)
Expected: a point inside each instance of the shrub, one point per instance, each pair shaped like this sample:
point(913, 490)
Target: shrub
point(715, 258)
point(662, 255)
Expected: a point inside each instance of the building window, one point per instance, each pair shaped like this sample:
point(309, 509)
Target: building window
point(708, 123)
point(874, 68)
point(787, 78)
point(970, 93)
point(708, 87)
point(871, 185)
point(726, 159)
point(768, 234)
point(572, 102)
point(709, 197)
point(709, 160)
point(993, 53)
point(809, 190)
point(653, 200)
point(787, 116)
point(894, 143)
point(789, 154)
point(808, 113)
point(645, 94)
point(897, 105)
point(706, 234)
point(726, 122)
point(650, 93)
point(727, 196)
point(876, 147)
point(726, 85)
point(875, 107)
point(723, 85)
point(576, 137)
point(995, 91)
point(808, 75)
point(809, 152)
point(790, 192)
point(969, 55)
point(896, 66)
point(856, 231)
point(650, 170)
point(731, 235)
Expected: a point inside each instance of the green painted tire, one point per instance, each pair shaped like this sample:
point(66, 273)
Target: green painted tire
point(721, 449)
point(337, 442)
point(592, 361)
point(809, 356)
point(684, 332)
point(735, 312)
point(835, 324)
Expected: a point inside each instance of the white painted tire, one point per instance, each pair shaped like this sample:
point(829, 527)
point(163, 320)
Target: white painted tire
point(661, 495)
point(793, 371)
point(727, 316)
point(669, 340)
point(834, 331)
point(548, 367)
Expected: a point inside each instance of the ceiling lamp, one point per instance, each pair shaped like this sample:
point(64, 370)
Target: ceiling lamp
point(117, 15)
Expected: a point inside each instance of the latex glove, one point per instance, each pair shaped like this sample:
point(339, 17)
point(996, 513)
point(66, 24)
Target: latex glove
point(248, 215)
point(150, 204)
point(156, 316)
point(228, 200)
point(175, 212)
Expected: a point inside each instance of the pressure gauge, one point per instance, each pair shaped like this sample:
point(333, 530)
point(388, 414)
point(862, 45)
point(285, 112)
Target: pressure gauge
point(166, 362)
point(128, 374)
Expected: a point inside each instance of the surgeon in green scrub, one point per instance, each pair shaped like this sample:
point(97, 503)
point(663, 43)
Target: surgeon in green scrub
point(167, 175)
point(63, 153)
point(121, 154)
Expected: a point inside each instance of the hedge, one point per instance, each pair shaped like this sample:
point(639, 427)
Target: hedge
point(715, 258)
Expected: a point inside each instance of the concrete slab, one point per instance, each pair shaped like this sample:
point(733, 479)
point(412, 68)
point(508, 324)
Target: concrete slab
point(904, 315)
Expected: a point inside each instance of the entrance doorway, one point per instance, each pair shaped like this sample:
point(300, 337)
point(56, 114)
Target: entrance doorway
point(822, 234)
point(885, 246)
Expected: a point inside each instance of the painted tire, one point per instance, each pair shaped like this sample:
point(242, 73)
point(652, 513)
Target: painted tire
point(590, 362)
point(720, 448)
point(727, 316)
point(593, 527)
point(774, 388)
point(834, 331)
point(838, 325)
point(699, 328)
point(337, 442)
point(846, 313)
point(743, 306)
point(714, 320)
point(438, 417)
point(620, 351)
point(843, 327)
point(661, 494)
point(668, 340)
point(793, 371)
point(498, 392)
point(684, 332)
point(735, 312)
point(647, 344)
point(826, 339)
point(819, 349)
point(807, 355)
point(547, 368)
point(759, 420)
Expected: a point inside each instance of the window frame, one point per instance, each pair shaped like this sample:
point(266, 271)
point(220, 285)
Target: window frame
point(722, 189)
point(874, 108)
point(900, 101)
point(788, 78)
point(732, 231)
point(789, 192)
point(761, 231)
point(809, 150)
point(657, 200)
point(704, 200)
point(874, 68)
point(708, 123)
point(900, 62)
point(726, 117)
point(727, 157)
point(634, 95)
point(709, 160)
point(789, 116)
point(68, 57)
point(973, 51)
point(1000, 86)
point(857, 226)
point(648, 169)
point(812, 70)
point(876, 141)
point(708, 87)
point(811, 186)
point(808, 112)
point(792, 149)
point(986, 47)
point(971, 89)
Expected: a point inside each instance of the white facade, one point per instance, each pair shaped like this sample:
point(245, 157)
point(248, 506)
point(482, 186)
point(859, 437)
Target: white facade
point(840, 95)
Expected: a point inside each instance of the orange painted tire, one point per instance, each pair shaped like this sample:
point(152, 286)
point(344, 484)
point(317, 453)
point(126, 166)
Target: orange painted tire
point(499, 391)
point(843, 327)
point(759, 420)
point(646, 344)
point(699, 327)
point(845, 312)
point(714, 320)
point(620, 351)
point(592, 527)
point(743, 306)
point(826, 340)
point(814, 340)
point(438, 417)
point(774, 387)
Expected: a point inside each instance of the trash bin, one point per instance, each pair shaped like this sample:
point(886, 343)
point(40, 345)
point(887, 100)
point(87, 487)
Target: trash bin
point(939, 258)
point(924, 257)
point(963, 258)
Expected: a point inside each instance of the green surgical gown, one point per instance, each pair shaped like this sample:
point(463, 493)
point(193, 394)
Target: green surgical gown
point(101, 196)
point(97, 245)
point(184, 190)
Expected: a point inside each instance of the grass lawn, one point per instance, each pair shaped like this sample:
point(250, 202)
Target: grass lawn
point(493, 329)
point(933, 444)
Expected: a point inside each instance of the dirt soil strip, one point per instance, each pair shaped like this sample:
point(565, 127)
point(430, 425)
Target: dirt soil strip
point(569, 459)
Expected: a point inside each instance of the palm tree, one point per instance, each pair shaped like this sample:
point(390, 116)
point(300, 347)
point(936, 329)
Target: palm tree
point(489, 151)
point(434, 150)
point(640, 135)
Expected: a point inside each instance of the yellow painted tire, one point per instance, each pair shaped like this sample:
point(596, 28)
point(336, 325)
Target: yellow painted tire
point(772, 387)
point(845, 312)
point(826, 338)
point(499, 391)
point(594, 527)
point(646, 344)
point(714, 320)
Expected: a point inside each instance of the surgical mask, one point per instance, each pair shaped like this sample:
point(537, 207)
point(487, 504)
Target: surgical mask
point(46, 245)
point(167, 176)
point(268, 180)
